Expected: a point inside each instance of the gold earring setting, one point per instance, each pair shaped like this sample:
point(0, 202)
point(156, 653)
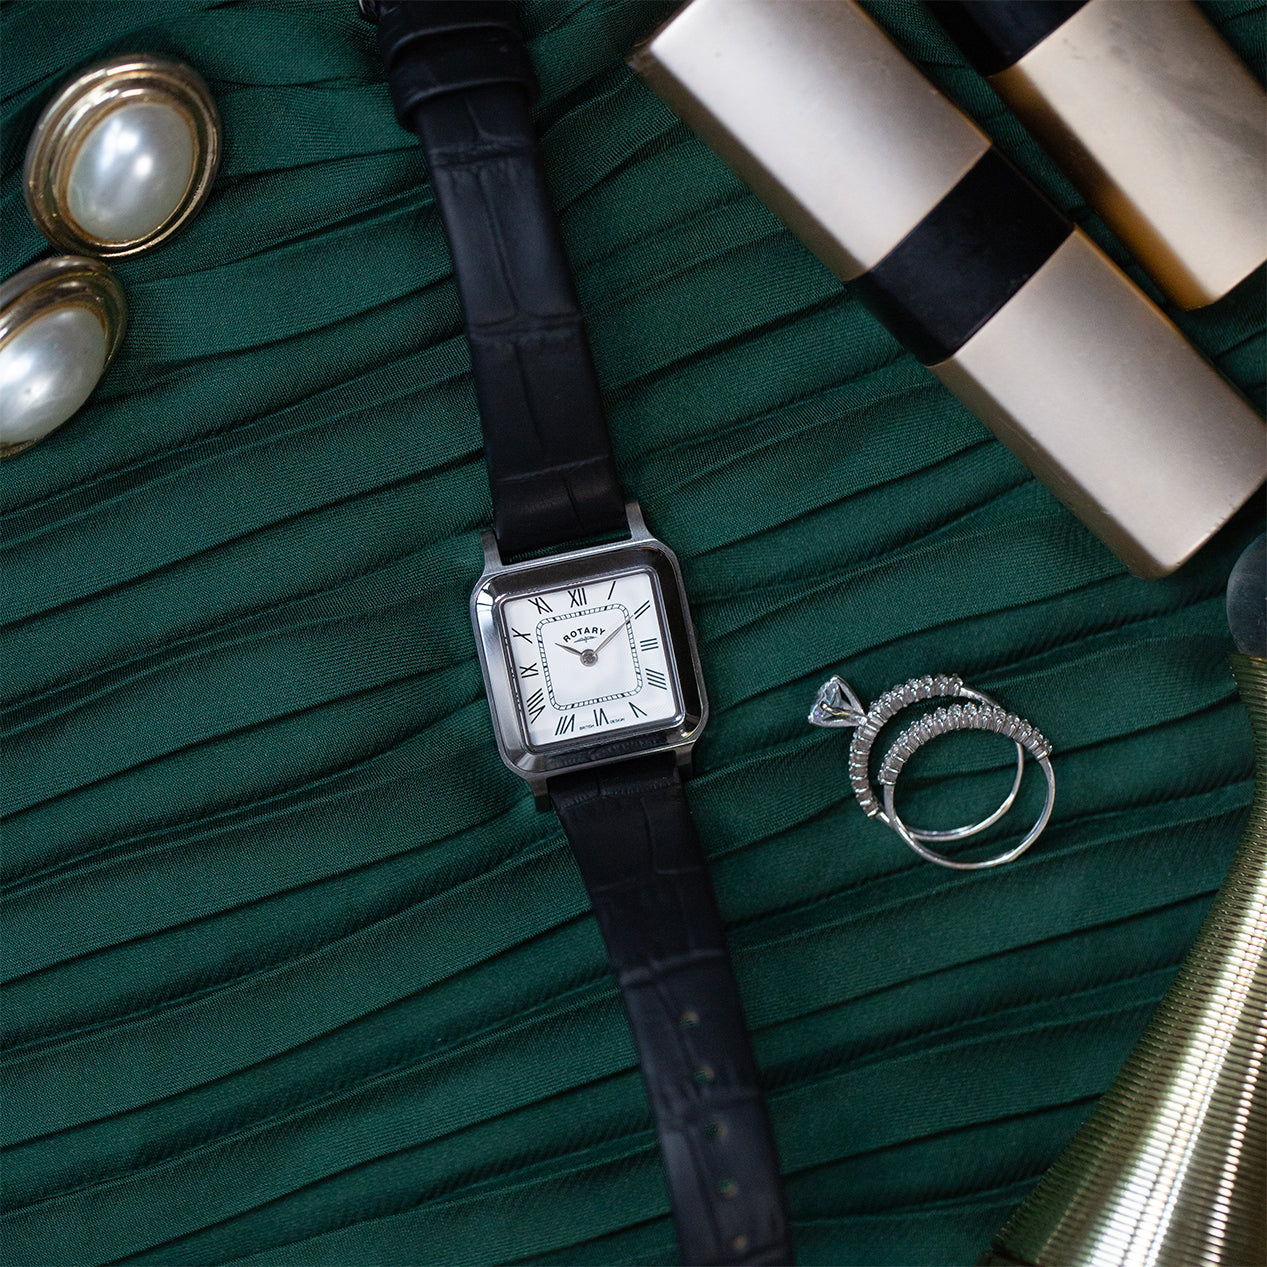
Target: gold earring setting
point(61, 321)
point(122, 157)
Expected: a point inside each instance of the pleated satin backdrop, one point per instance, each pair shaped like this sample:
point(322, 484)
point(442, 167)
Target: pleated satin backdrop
point(298, 975)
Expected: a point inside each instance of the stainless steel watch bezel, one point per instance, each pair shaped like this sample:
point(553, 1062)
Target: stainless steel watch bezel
point(501, 581)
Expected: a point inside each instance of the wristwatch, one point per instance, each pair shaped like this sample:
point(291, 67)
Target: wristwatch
point(582, 624)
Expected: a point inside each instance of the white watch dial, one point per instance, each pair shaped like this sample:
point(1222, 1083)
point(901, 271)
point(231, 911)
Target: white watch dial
point(591, 660)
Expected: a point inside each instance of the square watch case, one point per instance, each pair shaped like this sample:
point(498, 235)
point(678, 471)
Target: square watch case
point(588, 657)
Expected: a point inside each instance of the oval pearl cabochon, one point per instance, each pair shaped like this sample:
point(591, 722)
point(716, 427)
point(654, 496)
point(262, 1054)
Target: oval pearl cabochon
point(47, 370)
point(131, 172)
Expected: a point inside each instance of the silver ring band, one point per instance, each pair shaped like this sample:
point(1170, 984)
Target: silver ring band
point(847, 711)
point(837, 706)
point(944, 721)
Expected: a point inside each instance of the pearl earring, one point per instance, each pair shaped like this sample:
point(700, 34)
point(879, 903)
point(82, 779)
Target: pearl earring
point(122, 157)
point(61, 321)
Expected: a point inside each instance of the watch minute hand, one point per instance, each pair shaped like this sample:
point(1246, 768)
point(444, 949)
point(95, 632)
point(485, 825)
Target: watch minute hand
point(611, 635)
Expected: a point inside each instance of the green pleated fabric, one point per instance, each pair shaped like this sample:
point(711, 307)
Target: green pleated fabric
point(297, 975)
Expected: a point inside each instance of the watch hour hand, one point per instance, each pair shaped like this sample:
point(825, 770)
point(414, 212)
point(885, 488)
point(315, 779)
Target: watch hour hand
point(573, 650)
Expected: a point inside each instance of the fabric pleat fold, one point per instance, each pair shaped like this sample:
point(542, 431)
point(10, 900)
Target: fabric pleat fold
point(296, 974)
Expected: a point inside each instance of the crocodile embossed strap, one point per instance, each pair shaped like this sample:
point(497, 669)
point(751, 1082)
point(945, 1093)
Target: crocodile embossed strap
point(638, 853)
point(461, 80)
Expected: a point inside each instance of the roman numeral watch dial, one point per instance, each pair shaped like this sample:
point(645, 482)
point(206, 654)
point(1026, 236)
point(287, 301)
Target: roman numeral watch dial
point(588, 657)
point(590, 661)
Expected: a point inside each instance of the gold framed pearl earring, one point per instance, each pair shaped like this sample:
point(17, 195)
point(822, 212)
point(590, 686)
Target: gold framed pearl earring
point(122, 157)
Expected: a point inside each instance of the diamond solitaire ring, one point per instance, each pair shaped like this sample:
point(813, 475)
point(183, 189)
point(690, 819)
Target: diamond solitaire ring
point(836, 706)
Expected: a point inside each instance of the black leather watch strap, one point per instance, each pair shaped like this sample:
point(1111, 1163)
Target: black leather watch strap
point(461, 80)
point(635, 843)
